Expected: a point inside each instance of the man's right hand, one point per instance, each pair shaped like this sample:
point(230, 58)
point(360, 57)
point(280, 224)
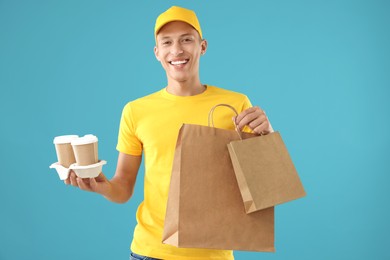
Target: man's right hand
point(100, 184)
point(120, 188)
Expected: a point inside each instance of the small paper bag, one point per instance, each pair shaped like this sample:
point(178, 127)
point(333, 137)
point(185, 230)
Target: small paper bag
point(265, 172)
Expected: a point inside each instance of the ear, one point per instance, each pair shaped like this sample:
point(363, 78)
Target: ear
point(203, 47)
point(156, 53)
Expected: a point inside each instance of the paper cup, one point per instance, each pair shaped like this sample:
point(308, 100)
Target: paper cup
point(64, 149)
point(85, 150)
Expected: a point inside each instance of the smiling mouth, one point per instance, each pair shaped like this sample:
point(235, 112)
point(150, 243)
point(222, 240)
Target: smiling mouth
point(178, 62)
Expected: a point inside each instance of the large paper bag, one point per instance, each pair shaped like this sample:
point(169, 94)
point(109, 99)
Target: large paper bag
point(205, 208)
point(265, 172)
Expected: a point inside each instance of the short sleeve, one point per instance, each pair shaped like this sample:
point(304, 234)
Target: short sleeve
point(128, 142)
point(246, 104)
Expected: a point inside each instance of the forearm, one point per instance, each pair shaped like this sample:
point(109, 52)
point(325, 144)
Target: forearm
point(121, 186)
point(119, 191)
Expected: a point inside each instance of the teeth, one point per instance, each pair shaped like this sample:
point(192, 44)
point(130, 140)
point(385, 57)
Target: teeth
point(178, 62)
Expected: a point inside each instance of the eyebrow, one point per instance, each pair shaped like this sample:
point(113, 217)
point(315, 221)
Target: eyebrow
point(183, 35)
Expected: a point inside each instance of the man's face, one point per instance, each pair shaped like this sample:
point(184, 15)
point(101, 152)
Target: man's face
point(178, 49)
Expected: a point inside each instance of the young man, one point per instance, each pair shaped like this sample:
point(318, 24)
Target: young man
point(150, 125)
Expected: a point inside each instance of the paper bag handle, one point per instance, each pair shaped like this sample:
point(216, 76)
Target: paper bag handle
point(211, 118)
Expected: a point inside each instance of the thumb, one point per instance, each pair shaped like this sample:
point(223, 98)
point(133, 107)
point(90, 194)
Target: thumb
point(100, 178)
point(98, 184)
point(234, 118)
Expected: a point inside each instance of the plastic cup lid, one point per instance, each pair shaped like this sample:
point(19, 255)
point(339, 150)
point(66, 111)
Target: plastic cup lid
point(86, 139)
point(64, 139)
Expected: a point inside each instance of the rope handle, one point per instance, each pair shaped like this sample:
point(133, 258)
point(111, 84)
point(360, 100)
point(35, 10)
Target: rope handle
point(211, 117)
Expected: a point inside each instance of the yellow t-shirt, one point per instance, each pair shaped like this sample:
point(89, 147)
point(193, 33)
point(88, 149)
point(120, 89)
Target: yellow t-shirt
point(151, 125)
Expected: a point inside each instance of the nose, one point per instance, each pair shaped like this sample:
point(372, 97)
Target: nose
point(176, 49)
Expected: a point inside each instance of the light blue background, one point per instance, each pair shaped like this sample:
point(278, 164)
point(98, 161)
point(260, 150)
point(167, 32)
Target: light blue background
point(320, 69)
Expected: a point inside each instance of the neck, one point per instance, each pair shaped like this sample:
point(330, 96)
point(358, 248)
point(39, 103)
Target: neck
point(185, 88)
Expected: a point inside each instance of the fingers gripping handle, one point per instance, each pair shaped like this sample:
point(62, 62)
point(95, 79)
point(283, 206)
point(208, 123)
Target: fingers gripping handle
point(211, 117)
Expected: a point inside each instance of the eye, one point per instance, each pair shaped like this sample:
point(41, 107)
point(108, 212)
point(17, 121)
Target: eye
point(187, 39)
point(165, 43)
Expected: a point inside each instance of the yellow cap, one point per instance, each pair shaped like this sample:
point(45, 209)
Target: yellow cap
point(176, 13)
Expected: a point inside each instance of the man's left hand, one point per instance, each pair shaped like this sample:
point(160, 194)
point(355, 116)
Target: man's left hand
point(256, 119)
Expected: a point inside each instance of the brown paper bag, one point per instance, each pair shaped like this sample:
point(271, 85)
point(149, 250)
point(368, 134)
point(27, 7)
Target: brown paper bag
point(205, 208)
point(265, 172)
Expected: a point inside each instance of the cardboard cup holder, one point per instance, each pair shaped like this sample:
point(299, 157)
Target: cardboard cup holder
point(86, 171)
point(63, 172)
